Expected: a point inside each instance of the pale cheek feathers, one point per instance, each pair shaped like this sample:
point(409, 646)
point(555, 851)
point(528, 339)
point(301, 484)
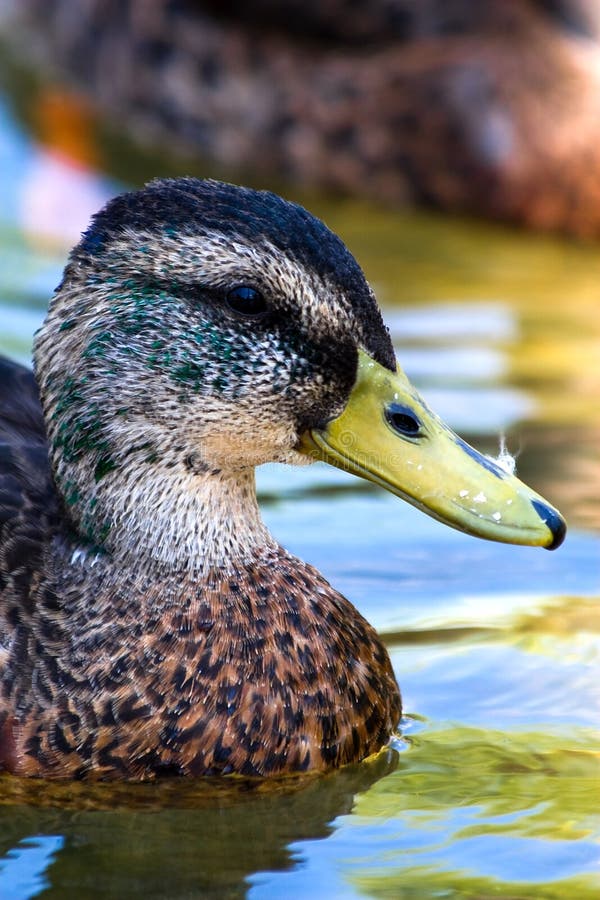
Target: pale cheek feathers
point(247, 442)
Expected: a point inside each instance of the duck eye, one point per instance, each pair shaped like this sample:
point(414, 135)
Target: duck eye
point(246, 300)
point(402, 420)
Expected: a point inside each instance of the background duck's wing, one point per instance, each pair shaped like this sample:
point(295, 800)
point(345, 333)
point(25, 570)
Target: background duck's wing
point(29, 508)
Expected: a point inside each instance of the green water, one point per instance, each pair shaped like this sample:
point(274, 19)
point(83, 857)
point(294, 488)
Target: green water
point(493, 788)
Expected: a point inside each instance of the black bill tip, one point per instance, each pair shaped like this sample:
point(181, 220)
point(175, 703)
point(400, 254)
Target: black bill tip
point(553, 520)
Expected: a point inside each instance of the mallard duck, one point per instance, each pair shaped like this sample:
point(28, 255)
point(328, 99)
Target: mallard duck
point(149, 622)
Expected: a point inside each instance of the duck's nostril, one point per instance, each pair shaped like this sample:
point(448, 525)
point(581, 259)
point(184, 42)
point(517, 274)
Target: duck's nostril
point(403, 420)
point(553, 520)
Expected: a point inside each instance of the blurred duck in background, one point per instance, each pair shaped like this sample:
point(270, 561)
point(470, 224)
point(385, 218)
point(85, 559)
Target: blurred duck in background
point(488, 108)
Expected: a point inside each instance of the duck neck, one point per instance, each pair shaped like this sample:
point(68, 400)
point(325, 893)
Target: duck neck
point(176, 521)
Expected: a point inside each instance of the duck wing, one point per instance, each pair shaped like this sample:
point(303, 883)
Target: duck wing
point(29, 507)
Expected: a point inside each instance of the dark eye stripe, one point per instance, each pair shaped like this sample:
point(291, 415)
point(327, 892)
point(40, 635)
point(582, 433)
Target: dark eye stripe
point(241, 299)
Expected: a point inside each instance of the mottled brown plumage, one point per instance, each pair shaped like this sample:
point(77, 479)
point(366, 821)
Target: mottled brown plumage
point(259, 670)
point(149, 623)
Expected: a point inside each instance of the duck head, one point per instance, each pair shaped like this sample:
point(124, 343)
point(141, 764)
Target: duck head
point(202, 329)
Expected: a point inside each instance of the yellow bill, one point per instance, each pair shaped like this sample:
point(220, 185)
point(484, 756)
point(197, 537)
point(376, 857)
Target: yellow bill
point(387, 435)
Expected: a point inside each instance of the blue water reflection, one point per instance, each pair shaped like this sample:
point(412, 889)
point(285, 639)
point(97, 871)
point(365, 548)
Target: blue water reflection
point(23, 870)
